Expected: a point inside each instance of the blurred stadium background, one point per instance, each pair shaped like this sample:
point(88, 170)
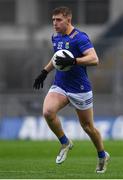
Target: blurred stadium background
point(25, 47)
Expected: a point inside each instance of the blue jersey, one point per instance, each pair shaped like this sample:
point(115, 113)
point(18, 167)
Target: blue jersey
point(76, 79)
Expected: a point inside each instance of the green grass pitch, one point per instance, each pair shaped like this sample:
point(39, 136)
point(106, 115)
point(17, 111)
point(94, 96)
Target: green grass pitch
point(36, 160)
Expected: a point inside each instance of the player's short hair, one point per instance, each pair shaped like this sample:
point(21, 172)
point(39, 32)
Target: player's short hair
point(65, 11)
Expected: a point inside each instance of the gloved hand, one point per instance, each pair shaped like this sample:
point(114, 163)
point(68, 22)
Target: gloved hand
point(65, 61)
point(40, 79)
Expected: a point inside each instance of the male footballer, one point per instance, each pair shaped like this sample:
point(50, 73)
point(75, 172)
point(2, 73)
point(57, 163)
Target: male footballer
point(71, 86)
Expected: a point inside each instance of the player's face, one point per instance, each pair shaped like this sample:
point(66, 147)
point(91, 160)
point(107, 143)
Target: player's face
point(60, 23)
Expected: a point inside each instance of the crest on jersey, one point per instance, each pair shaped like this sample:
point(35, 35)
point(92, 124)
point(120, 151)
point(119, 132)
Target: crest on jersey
point(67, 45)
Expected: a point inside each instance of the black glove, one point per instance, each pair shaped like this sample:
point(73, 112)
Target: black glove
point(40, 79)
point(65, 61)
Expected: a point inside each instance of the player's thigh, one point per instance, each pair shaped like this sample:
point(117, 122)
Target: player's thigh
point(54, 102)
point(85, 116)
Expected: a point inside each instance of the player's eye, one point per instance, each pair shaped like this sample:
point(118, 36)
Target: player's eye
point(59, 19)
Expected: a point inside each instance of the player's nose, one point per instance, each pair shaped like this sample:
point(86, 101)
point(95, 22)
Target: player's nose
point(55, 23)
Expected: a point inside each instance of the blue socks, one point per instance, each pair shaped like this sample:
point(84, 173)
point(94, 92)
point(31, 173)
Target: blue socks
point(101, 154)
point(63, 140)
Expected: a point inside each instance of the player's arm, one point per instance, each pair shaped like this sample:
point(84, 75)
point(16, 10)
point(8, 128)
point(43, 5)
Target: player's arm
point(42, 76)
point(49, 67)
point(89, 58)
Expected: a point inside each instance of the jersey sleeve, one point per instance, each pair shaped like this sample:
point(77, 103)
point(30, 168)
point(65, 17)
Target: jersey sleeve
point(84, 42)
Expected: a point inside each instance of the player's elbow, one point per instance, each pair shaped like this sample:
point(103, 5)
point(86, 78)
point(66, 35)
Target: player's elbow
point(95, 61)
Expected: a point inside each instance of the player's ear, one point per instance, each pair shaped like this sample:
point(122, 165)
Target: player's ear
point(69, 19)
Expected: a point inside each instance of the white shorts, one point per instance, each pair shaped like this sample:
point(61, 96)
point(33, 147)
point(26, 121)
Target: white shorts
point(80, 101)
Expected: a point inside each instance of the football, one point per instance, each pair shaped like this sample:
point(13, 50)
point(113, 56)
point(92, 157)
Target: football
point(60, 53)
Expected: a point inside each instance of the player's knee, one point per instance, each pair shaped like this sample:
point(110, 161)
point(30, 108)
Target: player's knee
point(48, 114)
point(88, 128)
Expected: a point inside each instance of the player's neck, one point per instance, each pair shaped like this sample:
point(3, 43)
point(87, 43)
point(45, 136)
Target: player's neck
point(69, 29)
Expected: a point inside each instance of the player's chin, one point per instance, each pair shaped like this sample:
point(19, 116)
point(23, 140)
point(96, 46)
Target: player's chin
point(57, 30)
